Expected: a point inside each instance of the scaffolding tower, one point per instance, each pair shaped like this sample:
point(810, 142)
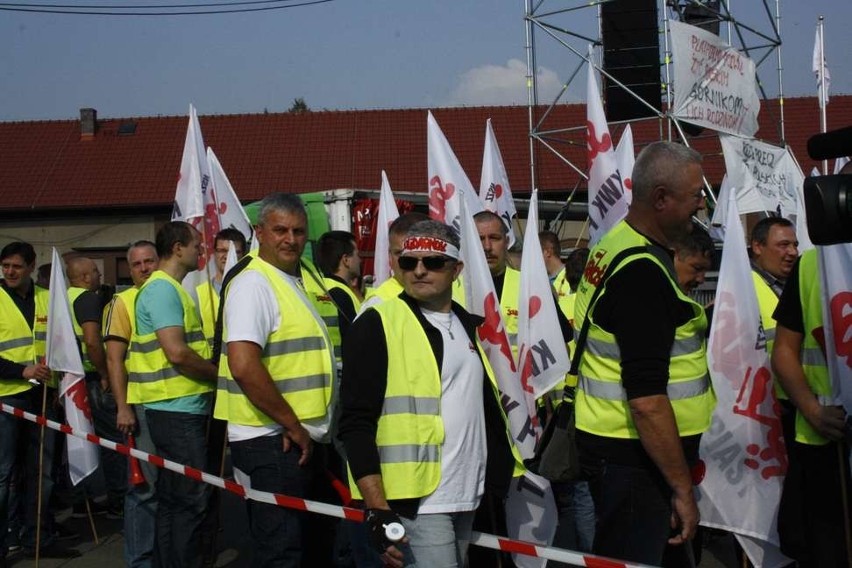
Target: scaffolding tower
point(757, 35)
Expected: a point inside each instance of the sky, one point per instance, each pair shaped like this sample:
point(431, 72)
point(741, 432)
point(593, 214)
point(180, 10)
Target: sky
point(339, 55)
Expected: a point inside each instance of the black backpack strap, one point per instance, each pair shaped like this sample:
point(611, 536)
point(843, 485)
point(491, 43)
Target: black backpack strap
point(580, 345)
point(321, 283)
point(218, 330)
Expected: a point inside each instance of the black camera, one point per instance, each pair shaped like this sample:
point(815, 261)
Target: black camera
point(828, 199)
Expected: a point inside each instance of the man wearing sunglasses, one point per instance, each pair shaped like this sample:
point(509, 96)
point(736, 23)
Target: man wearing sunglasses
point(421, 419)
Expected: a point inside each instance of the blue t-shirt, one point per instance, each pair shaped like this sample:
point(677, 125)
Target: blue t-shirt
point(158, 306)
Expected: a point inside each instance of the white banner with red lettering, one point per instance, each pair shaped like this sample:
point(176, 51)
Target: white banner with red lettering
point(388, 213)
point(714, 84)
point(835, 263)
point(63, 356)
point(494, 190)
point(743, 457)
point(607, 199)
point(543, 358)
point(448, 184)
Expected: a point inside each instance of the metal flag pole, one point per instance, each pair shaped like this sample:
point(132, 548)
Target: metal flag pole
point(821, 86)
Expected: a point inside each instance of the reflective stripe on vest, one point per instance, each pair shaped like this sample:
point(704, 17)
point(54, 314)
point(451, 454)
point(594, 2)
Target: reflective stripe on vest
point(151, 377)
point(296, 355)
point(75, 292)
point(612, 391)
point(18, 342)
point(600, 396)
point(812, 356)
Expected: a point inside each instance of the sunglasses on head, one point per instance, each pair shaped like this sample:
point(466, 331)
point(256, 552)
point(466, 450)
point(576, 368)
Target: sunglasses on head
point(429, 262)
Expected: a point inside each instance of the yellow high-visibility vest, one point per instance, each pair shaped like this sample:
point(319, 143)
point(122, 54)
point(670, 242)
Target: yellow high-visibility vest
point(297, 356)
point(151, 377)
point(601, 402)
point(18, 342)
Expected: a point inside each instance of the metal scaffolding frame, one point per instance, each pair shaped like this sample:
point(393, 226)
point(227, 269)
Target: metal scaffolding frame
point(549, 18)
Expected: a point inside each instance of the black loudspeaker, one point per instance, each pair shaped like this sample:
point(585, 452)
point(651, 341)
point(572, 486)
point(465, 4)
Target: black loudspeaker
point(631, 54)
point(704, 15)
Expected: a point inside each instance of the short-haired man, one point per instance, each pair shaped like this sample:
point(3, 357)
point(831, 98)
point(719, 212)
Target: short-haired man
point(421, 419)
point(170, 374)
point(23, 333)
point(276, 377)
point(812, 509)
point(644, 396)
point(694, 253)
point(84, 281)
point(774, 250)
point(551, 250)
point(208, 293)
point(338, 258)
point(397, 232)
point(494, 236)
point(140, 503)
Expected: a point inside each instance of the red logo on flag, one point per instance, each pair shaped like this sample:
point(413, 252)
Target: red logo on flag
point(772, 458)
point(597, 146)
point(841, 322)
point(439, 194)
point(491, 331)
point(80, 397)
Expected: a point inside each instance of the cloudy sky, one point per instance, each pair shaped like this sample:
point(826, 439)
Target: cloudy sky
point(341, 54)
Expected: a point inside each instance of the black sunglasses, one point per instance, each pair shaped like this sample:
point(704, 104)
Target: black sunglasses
point(429, 262)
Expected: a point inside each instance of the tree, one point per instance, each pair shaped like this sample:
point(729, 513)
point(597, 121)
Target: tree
point(299, 105)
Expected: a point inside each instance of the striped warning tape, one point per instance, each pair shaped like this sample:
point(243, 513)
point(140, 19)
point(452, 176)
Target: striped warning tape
point(478, 539)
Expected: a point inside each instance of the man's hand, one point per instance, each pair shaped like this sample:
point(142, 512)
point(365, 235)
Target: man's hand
point(125, 419)
point(300, 437)
point(377, 521)
point(684, 517)
point(38, 372)
point(829, 421)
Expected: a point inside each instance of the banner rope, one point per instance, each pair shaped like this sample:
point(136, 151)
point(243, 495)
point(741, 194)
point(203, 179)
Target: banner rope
point(479, 539)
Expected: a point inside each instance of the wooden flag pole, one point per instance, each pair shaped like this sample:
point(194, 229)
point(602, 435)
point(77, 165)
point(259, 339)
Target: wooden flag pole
point(40, 473)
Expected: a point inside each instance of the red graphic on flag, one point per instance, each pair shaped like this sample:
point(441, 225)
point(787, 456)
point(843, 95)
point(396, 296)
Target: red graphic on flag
point(439, 194)
point(772, 457)
point(841, 321)
point(80, 397)
point(597, 146)
point(491, 331)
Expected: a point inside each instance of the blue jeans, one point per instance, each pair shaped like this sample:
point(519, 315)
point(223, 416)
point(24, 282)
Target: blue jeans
point(182, 502)
point(13, 433)
point(633, 507)
point(276, 531)
point(140, 504)
point(576, 528)
point(437, 540)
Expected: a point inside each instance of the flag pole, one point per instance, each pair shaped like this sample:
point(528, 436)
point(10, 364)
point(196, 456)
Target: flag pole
point(40, 473)
point(823, 121)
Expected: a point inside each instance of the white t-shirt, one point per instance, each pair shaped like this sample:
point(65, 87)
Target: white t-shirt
point(464, 451)
point(252, 314)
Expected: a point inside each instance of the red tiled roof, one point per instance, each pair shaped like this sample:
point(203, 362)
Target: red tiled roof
point(48, 166)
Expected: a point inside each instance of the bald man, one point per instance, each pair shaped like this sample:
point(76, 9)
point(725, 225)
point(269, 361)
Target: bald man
point(84, 279)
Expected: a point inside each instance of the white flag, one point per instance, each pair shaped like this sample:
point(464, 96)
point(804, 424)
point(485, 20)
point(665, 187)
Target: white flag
point(819, 57)
point(229, 212)
point(531, 515)
point(189, 201)
point(720, 212)
point(231, 259)
point(448, 184)
point(607, 202)
point(839, 163)
point(743, 453)
point(494, 190)
point(63, 356)
point(481, 299)
point(835, 263)
point(542, 356)
point(626, 157)
point(388, 213)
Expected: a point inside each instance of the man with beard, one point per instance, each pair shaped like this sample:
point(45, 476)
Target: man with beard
point(644, 395)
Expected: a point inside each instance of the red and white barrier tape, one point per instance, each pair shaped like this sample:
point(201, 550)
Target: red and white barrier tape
point(478, 539)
